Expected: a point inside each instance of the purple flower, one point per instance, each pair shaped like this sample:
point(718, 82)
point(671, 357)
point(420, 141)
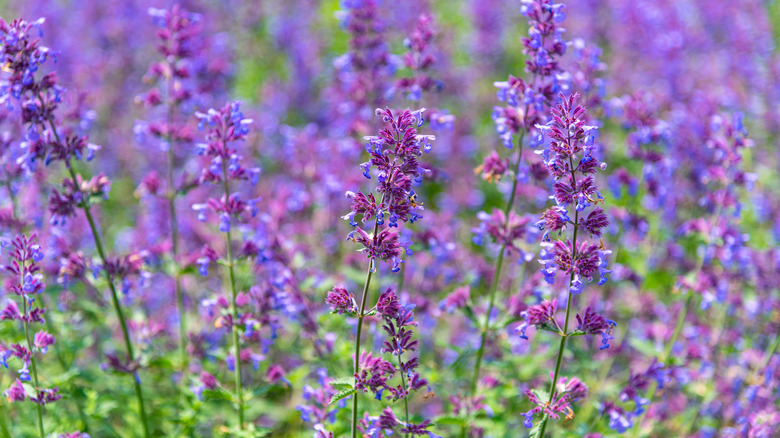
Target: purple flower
point(42, 340)
point(341, 300)
point(493, 167)
point(394, 153)
point(595, 221)
point(387, 305)
point(16, 392)
point(418, 60)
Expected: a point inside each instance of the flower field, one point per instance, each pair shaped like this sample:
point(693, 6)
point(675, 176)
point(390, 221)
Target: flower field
point(373, 218)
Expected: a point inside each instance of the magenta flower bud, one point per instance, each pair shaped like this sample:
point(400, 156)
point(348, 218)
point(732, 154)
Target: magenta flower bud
point(341, 300)
point(16, 392)
point(43, 340)
point(387, 305)
point(208, 380)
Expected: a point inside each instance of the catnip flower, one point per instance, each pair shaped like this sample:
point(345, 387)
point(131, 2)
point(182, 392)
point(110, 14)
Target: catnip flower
point(26, 283)
point(418, 60)
point(567, 149)
point(394, 157)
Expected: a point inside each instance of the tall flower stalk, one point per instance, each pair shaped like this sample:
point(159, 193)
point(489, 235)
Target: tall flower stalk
point(39, 98)
point(227, 126)
point(527, 104)
point(177, 28)
point(567, 152)
point(395, 154)
point(25, 255)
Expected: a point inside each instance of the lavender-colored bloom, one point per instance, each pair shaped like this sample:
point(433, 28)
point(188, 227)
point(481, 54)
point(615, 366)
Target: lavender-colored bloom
point(395, 154)
point(15, 392)
point(43, 340)
point(341, 300)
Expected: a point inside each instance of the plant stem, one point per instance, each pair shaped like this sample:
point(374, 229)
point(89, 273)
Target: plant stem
point(3, 424)
point(496, 277)
point(12, 196)
point(401, 276)
point(561, 348)
point(769, 353)
point(66, 368)
point(234, 306)
point(564, 335)
point(114, 298)
point(681, 317)
point(369, 274)
point(361, 315)
point(403, 385)
point(496, 274)
point(32, 361)
point(175, 229)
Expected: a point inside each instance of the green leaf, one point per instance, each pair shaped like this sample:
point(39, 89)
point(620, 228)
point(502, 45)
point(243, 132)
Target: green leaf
point(449, 420)
point(344, 393)
point(217, 394)
point(536, 431)
point(577, 333)
point(342, 382)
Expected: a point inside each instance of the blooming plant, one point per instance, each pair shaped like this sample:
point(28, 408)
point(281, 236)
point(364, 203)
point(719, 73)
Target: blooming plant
point(436, 245)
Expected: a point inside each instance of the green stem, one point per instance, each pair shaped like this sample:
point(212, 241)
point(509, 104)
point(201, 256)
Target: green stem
point(401, 276)
point(114, 298)
point(403, 385)
point(234, 306)
point(12, 196)
point(32, 362)
point(496, 277)
point(650, 393)
point(769, 353)
point(175, 230)
point(496, 274)
point(66, 368)
point(565, 334)
point(3, 424)
point(361, 313)
point(117, 308)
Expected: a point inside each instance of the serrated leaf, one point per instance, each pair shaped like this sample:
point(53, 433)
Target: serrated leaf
point(449, 420)
point(217, 394)
point(344, 393)
point(549, 328)
point(577, 333)
point(342, 382)
point(469, 312)
point(536, 431)
point(250, 431)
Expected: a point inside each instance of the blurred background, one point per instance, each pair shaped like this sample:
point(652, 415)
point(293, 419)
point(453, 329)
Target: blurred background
point(660, 78)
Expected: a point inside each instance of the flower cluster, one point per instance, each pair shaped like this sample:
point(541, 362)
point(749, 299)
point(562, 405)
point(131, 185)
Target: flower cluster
point(527, 101)
point(505, 230)
point(173, 91)
point(592, 323)
point(317, 407)
point(363, 72)
point(398, 321)
point(225, 126)
point(567, 151)
point(418, 59)
point(26, 283)
point(37, 97)
point(567, 391)
point(177, 29)
point(394, 153)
